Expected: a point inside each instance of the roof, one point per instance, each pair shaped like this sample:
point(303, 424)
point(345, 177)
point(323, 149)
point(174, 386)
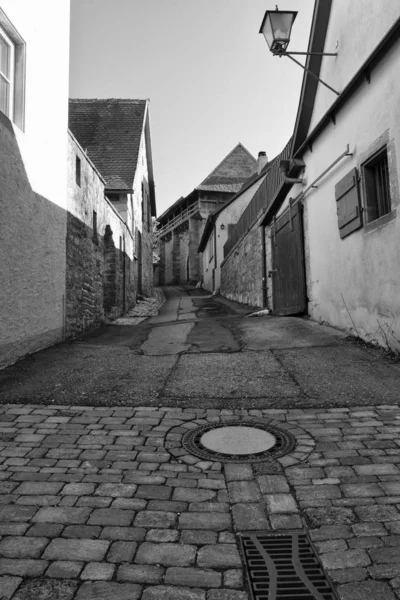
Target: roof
point(110, 131)
point(228, 177)
point(231, 172)
point(209, 226)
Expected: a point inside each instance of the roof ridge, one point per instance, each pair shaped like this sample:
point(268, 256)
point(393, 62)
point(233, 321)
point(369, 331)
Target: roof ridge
point(239, 144)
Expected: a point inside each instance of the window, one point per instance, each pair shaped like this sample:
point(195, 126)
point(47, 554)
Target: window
point(12, 72)
point(377, 186)
point(94, 238)
point(78, 171)
point(6, 75)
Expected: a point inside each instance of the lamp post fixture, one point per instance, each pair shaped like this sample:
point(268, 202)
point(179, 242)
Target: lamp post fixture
point(276, 28)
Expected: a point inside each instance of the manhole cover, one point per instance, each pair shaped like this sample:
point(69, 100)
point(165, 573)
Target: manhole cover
point(241, 441)
point(284, 566)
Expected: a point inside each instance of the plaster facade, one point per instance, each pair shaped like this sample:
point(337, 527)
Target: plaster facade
point(33, 184)
point(354, 282)
point(213, 255)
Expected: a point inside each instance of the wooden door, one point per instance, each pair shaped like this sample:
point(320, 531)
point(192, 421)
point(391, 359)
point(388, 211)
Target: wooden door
point(289, 286)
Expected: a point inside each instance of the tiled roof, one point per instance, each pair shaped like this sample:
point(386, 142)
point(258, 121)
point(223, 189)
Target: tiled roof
point(231, 172)
point(110, 131)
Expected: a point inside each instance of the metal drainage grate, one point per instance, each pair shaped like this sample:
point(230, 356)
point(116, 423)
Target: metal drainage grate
point(284, 566)
point(285, 443)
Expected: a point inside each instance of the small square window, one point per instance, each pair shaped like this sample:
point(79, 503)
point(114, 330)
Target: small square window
point(78, 171)
point(377, 186)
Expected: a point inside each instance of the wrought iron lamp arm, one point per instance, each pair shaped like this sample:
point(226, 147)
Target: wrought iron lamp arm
point(313, 53)
point(308, 70)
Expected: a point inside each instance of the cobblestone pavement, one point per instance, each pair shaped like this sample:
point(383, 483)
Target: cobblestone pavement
point(147, 307)
point(101, 503)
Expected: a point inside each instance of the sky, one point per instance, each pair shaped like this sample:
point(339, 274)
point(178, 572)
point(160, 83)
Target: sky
point(208, 73)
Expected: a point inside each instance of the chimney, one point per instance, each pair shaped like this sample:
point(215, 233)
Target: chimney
point(261, 161)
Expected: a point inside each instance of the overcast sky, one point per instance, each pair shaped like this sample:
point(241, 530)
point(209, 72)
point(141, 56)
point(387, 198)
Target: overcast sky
point(210, 77)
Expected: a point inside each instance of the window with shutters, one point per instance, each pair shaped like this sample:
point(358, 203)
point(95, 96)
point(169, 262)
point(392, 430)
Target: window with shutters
point(377, 186)
point(348, 205)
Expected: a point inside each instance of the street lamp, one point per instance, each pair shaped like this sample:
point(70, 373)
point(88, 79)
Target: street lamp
point(276, 28)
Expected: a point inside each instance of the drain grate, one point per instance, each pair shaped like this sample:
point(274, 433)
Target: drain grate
point(284, 566)
point(285, 442)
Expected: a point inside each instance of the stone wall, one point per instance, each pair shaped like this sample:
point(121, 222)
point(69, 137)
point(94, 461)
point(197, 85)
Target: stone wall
point(241, 271)
point(100, 277)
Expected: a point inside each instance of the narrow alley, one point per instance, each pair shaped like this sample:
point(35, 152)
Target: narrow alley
point(108, 491)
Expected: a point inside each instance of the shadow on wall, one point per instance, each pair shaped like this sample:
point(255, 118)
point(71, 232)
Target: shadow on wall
point(56, 278)
point(32, 258)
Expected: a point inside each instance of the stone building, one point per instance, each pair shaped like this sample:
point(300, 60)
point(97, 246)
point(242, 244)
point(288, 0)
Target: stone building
point(111, 204)
point(181, 226)
point(33, 175)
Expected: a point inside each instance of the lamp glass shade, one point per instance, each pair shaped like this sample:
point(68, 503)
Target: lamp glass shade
point(277, 27)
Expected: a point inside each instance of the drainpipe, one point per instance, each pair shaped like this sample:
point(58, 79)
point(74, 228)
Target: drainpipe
point(264, 268)
point(285, 166)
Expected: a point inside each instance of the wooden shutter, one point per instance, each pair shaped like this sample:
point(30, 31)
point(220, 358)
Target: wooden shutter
point(349, 209)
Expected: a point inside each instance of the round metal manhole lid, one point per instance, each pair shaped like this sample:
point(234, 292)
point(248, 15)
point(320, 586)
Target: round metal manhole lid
point(241, 441)
point(238, 439)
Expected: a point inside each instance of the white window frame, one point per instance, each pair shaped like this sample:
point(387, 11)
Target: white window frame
point(16, 111)
point(11, 79)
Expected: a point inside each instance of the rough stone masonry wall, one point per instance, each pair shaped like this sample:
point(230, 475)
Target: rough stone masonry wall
point(100, 277)
point(241, 272)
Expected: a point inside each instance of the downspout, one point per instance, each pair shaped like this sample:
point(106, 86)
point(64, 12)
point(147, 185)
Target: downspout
point(215, 254)
point(287, 165)
point(264, 268)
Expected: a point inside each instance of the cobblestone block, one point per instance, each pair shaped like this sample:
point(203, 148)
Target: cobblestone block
point(377, 512)
point(273, 484)
point(182, 494)
point(17, 513)
point(41, 488)
point(121, 552)
point(385, 555)
point(22, 567)
point(13, 528)
point(377, 469)
point(198, 536)
point(316, 517)
point(48, 530)
point(111, 516)
point(366, 589)
point(78, 489)
point(167, 505)
point(64, 569)
point(345, 559)
point(154, 492)
point(140, 573)
point(116, 490)
point(243, 491)
point(197, 520)
point(212, 484)
point(159, 519)
point(240, 472)
point(281, 521)
point(249, 516)
point(280, 503)
point(193, 577)
point(233, 578)
point(88, 532)
point(359, 490)
point(174, 555)
point(123, 533)
point(8, 585)
point(348, 575)
point(162, 535)
point(385, 571)
point(105, 590)
point(220, 556)
point(94, 501)
point(44, 589)
point(99, 571)
point(22, 547)
point(85, 550)
point(62, 515)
